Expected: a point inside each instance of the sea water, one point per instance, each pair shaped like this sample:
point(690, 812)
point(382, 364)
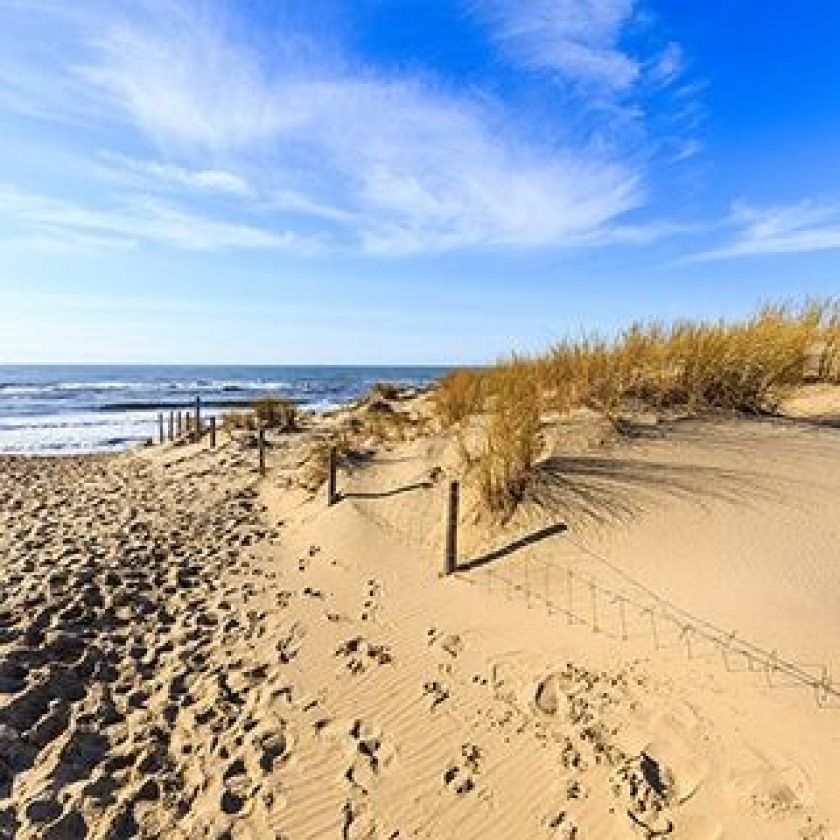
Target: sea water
point(68, 409)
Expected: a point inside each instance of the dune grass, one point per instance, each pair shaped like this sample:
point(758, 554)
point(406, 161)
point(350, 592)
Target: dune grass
point(744, 366)
point(266, 413)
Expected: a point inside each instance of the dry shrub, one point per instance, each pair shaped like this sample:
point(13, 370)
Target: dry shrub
point(276, 413)
point(459, 395)
point(743, 366)
point(385, 391)
point(315, 466)
point(505, 464)
point(233, 421)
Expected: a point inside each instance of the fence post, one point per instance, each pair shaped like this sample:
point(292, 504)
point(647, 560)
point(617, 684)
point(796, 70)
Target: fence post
point(261, 443)
point(160, 427)
point(450, 560)
point(213, 431)
point(197, 419)
point(188, 422)
point(332, 494)
point(178, 424)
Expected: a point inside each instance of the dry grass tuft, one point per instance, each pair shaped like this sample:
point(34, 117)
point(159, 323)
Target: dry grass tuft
point(276, 413)
point(268, 413)
point(458, 396)
point(506, 461)
point(744, 366)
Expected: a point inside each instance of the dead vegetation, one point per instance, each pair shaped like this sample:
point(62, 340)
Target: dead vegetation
point(746, 366)
point(268, 413)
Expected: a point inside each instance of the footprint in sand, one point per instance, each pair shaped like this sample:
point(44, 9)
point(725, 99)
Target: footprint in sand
point(459, 776)
point(360, 654)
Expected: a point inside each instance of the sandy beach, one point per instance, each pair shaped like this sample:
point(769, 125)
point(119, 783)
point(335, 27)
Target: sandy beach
point(188, 649)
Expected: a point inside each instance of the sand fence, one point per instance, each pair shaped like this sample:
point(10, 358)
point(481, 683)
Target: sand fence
point(578, 585)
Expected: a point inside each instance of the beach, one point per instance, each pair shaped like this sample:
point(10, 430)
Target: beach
point(190, 649)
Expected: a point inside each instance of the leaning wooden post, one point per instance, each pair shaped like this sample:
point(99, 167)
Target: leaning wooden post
point(197, 419)
point(212, 431)
point(450, 560)
point(261, 443)
point(160, 427)
point(332, 493)
point(171, 426)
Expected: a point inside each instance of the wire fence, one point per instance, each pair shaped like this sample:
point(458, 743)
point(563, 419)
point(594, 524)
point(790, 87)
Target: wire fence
point(581, 587)
point(584, 588)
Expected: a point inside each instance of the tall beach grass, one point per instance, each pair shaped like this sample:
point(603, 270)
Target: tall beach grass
point(744, 366)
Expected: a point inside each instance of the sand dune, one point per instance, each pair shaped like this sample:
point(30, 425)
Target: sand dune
point(187, 650)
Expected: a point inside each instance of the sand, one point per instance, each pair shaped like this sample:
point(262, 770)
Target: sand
point(190, 650)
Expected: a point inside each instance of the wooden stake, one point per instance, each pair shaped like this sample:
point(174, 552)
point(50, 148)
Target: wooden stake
point(179, 424)
point(160, 427)
point(198, 419)
point(213, 431)
point(622, 618)
point(332, 493)
point(261, 446)
point(171, 426)
point(653, 628)
point(450, 560)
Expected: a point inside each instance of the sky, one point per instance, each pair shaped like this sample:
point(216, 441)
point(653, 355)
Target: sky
point(405, 181)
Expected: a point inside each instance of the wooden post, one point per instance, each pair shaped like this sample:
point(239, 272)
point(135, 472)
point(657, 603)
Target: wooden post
point(171, 426)
point(450, 560)
point(197, 419)
point(261, 442)
point(213, 431)
point(179, 424)
point(332, 493)
point(160, 427)
point(187, 422)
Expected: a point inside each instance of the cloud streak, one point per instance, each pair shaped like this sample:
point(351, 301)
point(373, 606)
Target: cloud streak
point(576, 39)
point(806, 226)
point(66, 224)
point(386, 163)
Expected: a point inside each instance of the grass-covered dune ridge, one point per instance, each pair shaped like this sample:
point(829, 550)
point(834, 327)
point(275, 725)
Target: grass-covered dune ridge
point(745, 366)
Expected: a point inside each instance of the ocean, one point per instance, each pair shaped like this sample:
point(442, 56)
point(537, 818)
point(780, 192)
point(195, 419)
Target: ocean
point(70, 409)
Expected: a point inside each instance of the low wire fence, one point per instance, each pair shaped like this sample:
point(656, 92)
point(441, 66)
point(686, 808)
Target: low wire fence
point(584, 588)
point(580, 586)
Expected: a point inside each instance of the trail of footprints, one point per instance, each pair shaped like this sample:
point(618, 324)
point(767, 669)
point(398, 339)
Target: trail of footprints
point(113, 600)
point(145, 691)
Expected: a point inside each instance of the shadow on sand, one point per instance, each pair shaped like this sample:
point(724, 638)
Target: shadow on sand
point(607, 490)
point(384, 494)
point(510, 548)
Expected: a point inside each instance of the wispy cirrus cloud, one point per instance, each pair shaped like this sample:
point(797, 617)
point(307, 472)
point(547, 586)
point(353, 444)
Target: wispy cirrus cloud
point(69, 225)
point(211, 180)
point(577, 39)
point(388, 163)
point(802, 227)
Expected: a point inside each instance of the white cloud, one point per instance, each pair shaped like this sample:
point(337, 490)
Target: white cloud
point(669, 65)
point(391, 164)
point(142, 219)
point(576, 39)
point(214, 180)
point(797, 228)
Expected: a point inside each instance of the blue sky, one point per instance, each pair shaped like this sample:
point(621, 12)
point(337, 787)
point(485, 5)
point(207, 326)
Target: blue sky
point(406, 181)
